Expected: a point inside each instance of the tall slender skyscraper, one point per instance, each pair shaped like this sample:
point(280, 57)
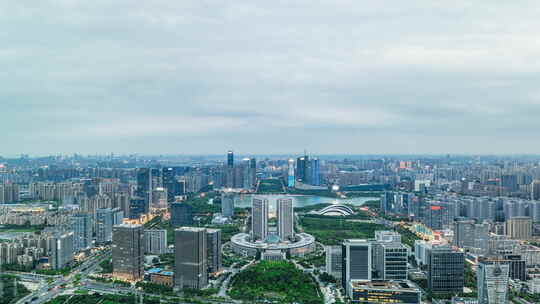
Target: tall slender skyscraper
point(190, 252)
point(285, 214)
point(144, 184)
point(128, 252)
point(213, 246)
point(290, 174)
point(230, 159)
point(259, 218)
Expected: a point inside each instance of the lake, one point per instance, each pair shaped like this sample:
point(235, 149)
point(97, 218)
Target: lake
point(244, 200)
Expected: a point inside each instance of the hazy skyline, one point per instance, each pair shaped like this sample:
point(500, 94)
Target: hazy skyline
point(265, 77)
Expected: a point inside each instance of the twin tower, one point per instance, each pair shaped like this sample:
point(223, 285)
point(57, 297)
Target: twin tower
point(259, 220)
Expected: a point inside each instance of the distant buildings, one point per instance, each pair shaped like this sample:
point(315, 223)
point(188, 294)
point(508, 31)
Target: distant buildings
point(190, 251)
point(259, 218)
point(285, 215)
point(9, 193)
point(128, 252)
point(468, 234)
point(155, 241)
point(181, 214)
point(492, 280)
point(519, 227)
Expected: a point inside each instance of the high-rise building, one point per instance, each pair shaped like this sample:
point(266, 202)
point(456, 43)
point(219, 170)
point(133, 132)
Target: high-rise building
point(227, 204)
point(259, 218)
point(181, 214)
point(213, 246)
point(285, 218)
point(290, 173)
point(334, 261)
point(492, 280)
point(535, 190)
point(230, 159)
point(519, 228)
point(315, 172)
point(357, 261)
point(389, 256)
point(61, 250)
point(81, 224)
point(144, 184)
point(128, 252)
point(105, 220)
point(301, 168)
point(190, 251)
point(445, 269)
point(170, 182)
point(155, 241)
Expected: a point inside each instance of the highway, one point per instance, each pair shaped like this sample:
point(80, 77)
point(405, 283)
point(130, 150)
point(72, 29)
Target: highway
point(48, 291)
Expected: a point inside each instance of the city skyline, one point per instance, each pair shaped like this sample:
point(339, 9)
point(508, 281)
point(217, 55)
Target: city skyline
point(191, 76)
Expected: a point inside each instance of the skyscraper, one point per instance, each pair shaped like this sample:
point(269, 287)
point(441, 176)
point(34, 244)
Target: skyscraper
point(190, 252)
point(301, 168)
point(290, 173)
point(128, 252)
point(144, 184)
point(61, 250)
point(492, 280)
point(181, 214)
point(315, 172)
point(230, 159)
point(445, 270)
point(357, 264)
point(155, 241)
point(137, 207)
point(535, 190)
point(259, 218)
point(171, 183)
point(213, 246)
point(81, 224)
point(227, 204)
point(285, 216)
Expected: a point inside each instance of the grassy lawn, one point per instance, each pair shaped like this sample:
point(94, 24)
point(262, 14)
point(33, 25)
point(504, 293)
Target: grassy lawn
point(332, 230)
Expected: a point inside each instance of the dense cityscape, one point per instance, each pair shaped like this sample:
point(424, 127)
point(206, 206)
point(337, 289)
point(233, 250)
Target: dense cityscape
point(269, 152)
point(303, 229)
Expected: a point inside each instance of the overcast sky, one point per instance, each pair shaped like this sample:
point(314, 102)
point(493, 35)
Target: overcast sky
point(265, 76)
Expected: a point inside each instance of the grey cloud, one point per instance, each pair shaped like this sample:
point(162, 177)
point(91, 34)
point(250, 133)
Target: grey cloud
point(269, 76)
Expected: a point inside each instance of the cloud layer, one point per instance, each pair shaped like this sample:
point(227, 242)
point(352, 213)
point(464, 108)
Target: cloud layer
point(269, 76)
